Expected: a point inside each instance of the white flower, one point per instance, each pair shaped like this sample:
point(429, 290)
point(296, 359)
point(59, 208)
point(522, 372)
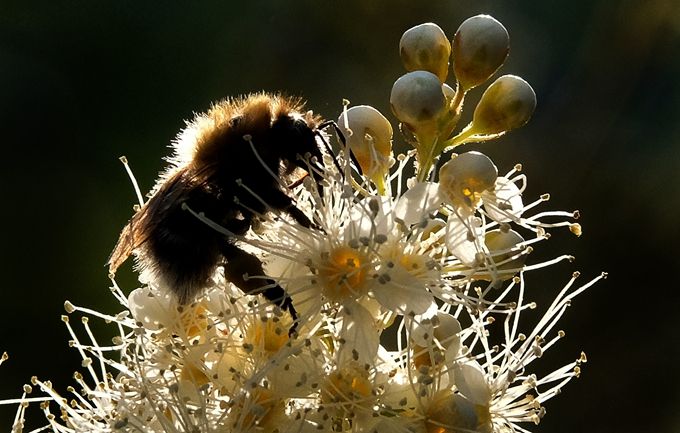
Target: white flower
point(368, 249)
point(396, 284)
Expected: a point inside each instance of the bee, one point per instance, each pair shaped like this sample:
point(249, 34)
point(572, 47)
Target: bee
point(233, 164)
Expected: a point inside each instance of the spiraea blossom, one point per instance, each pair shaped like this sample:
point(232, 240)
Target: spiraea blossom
point(409, 286)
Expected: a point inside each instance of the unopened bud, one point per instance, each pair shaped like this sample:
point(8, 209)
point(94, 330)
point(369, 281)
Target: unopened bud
point(499, 240)
point(480, 46)
point(369, 136)
point(425, 47)
point(466, 176)
point(506, 104)
point(417, 98)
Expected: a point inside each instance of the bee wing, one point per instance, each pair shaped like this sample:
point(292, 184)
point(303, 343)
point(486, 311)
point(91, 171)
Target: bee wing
point(175, 189)
point(132, 236)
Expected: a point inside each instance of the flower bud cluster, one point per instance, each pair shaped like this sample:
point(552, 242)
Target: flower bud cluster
point(429, 109)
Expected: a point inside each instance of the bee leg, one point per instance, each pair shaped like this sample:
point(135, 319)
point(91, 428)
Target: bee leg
point(284, 203)
point(244, 270)
point(299, 216)
point(302, 219)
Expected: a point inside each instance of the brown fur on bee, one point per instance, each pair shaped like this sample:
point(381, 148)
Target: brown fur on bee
point(259, 142)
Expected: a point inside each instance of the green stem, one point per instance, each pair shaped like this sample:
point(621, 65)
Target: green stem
point(426, 158)
point(427, 155)
point(457, 140)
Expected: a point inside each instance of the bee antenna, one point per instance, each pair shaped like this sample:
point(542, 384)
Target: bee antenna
point(343, 140)
point(337, 129)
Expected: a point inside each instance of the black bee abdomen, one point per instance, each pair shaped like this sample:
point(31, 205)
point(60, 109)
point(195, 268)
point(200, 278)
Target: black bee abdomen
point(184, 251)
point(185, 261)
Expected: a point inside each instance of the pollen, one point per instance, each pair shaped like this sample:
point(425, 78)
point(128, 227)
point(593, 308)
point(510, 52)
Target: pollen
point(343, 273)
point(415, 264)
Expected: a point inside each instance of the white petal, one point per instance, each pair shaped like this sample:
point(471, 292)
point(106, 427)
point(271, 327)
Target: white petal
point(364, 219)
point(152, 308)
point(217, 301)
point(506, 199)
point(297, 283)
point(360, 334)
point(403, 293)
point(447, 332)
point(422, 333)
point(471, 382)
point(295, 376)
point(463, 238)
point(225, 368)
point(418, 202)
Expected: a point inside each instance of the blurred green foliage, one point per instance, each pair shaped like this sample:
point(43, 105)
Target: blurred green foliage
point(82, 83)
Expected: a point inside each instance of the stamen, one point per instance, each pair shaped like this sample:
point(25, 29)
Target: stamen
point(135, 185)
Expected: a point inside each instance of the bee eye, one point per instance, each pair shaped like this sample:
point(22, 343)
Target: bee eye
point(300, 126)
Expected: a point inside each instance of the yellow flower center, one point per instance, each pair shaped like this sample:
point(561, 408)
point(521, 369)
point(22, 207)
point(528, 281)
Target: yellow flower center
point(343, 273)
point(415, 264)
point(194, 321)
point(194, 374)
point(347, 385)
point(261, 410)
point(467, 191)
point(270, 335)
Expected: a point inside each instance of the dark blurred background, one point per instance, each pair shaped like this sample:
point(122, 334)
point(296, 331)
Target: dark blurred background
point(82, 83)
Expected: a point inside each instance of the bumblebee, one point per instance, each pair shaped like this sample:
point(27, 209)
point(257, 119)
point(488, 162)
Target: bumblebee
point(233, 164)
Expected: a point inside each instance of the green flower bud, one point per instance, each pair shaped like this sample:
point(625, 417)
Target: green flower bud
point(480, 46)
point(506, 104)
point(417, 97)
point(465, 177)
point(369, 136)
point(425, 47)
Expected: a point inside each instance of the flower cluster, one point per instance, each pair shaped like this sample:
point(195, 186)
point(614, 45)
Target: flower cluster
point(408, 290)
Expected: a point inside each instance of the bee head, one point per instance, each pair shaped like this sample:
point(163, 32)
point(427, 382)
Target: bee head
point(299, 146)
